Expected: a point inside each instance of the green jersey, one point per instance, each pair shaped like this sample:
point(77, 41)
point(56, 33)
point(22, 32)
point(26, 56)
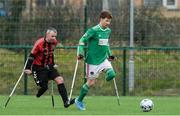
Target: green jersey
point(97, 42)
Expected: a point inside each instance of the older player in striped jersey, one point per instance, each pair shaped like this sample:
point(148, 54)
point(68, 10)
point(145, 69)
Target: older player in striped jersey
point(41, 65)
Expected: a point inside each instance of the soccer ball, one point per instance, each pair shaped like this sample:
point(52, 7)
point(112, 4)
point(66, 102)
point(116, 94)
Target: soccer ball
point(146, 105)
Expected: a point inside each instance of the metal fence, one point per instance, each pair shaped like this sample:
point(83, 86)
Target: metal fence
point(28, 19)
point(156, 71)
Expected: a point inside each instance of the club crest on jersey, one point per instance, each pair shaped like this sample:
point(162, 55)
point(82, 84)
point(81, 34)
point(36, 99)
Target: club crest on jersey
point(91, 73)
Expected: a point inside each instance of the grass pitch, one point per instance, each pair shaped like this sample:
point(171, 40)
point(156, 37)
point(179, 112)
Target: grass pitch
point(95, 105)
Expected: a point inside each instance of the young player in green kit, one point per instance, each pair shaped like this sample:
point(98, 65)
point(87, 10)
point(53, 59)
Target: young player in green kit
point(98, 55)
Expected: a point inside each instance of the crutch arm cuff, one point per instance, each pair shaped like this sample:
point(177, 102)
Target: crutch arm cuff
point(30, 61)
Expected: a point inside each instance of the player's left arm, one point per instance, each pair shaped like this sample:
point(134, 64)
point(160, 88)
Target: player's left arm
point(110, 55)
point(109, 52)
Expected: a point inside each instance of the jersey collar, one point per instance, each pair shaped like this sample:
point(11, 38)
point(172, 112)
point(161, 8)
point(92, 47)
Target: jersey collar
point(102, 28)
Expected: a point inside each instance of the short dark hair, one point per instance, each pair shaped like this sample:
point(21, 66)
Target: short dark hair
point(105, 14)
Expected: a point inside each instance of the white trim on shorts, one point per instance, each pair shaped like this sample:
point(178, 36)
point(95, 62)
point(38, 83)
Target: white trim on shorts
point(93, 71)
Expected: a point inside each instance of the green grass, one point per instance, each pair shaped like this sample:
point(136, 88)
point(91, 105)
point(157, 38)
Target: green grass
point(95, 105)
point(160, 67)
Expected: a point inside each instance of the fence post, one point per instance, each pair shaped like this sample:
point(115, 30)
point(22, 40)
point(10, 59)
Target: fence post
point(124, 73)
point(85, 29)
point(131, 59)
point(25, 75)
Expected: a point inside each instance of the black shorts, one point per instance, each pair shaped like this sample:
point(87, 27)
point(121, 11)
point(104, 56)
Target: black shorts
point(42, 74)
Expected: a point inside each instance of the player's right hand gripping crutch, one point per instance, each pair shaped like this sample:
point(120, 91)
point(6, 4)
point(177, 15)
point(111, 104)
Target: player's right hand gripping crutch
point(73, 81)
point(116, 89)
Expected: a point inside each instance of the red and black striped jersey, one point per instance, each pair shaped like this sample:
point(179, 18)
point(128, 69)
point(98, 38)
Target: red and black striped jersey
point(43, 52)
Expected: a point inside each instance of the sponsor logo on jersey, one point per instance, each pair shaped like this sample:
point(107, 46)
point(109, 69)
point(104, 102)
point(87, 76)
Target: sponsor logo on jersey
point(103, 42)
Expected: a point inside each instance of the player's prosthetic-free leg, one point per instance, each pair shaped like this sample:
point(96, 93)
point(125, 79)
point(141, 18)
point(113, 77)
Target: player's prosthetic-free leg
point(78, 101)
point(63, 93)
point(110, 74)
point(83, 92)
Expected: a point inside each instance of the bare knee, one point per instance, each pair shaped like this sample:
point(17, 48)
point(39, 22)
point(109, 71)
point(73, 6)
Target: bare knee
point(59, 80)
point(90, 82)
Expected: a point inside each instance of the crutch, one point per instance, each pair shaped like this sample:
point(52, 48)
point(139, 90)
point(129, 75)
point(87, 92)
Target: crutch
point(15, 85)
point(52, 90)
point(52, 93)
point(116, 89)
point(74, 76)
